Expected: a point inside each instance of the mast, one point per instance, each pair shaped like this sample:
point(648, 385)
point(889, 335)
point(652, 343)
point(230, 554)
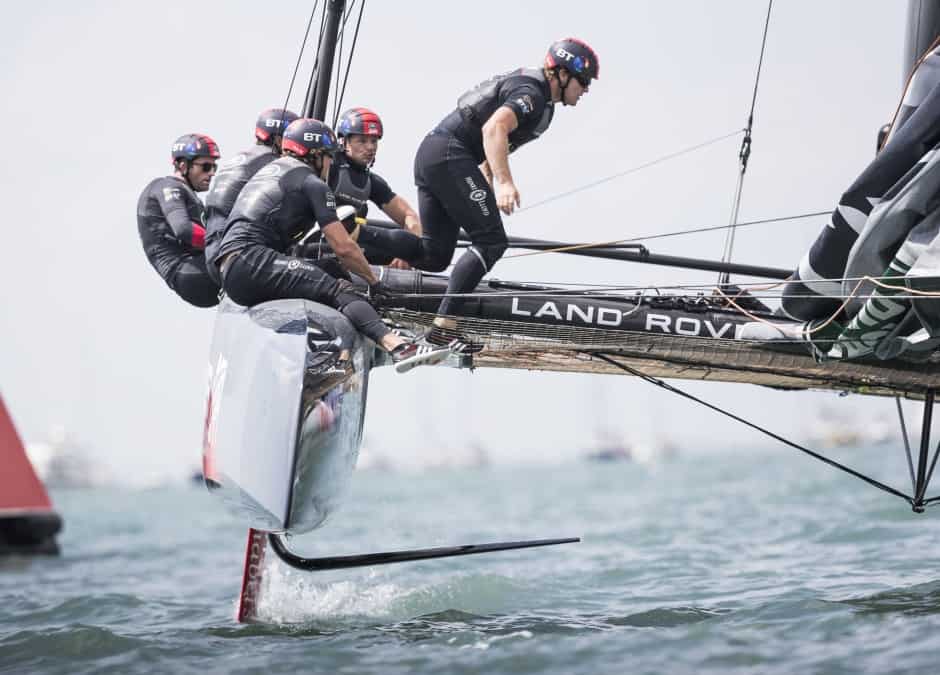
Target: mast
point(923, 27)
point(318, 93)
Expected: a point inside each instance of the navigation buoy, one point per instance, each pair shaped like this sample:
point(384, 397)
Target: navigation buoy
point(28, 523)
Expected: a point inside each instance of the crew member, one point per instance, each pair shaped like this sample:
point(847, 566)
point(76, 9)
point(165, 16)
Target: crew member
point(277, 206)
point(170, 219)
point(355, 184)
point(457, 162)
point(235, 172)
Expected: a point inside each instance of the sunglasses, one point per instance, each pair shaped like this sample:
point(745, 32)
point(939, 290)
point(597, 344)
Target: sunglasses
point(207, 167)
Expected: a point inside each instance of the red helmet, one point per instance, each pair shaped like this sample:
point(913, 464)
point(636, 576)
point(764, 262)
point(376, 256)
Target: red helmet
point(359, 121)
point(272, 122)
point(192, 146)
point(576, 57)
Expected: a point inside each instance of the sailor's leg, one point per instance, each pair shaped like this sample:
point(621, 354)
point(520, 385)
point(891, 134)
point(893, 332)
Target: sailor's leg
point(469, 200)
point(393, 243)
point(829, 254)
point(364, 317)
point(258, 274)
point(192, 282)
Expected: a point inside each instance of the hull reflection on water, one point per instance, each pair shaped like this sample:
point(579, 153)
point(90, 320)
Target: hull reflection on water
point(284, 412)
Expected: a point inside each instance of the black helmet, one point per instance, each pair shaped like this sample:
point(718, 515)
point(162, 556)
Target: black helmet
point(272, 122)
point(192, 146)
point(576, 57)
point(359, 121)
point(306, 135)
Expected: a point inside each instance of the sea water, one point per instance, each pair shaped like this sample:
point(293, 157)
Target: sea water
point(745, 560)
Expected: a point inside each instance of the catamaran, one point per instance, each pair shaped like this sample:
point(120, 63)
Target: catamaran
point(288, 379)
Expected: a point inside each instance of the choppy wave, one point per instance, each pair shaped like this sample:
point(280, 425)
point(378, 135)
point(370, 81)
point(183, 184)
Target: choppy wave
point(745, 566)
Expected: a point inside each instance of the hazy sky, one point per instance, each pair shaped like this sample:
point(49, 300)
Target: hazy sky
point(94, 94)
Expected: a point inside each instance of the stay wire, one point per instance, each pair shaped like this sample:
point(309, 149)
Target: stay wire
point(339, 62)
point(303, 46)
point(744, 154)
point(312, 83)
point(647, 237)
point(675, 390)
point(352, 50)
point(634, 169)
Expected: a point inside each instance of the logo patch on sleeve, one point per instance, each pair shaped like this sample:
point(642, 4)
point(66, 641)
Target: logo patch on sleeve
point(525, 104)
point(169, 194)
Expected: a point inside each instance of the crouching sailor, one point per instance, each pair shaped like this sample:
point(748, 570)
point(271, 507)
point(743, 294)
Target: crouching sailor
point(277, 206)
point(234, 174)
point(170, 219)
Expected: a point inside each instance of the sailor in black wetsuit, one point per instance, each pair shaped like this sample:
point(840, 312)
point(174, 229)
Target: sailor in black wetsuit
point(457, 161)
point(170, 219)
point(277, 206)
point(234, 173)
point(355, 184)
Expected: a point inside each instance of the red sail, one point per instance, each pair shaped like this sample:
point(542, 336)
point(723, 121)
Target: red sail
point(20, 488)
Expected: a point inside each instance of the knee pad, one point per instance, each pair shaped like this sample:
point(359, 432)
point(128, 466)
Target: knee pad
point(346, 294)
point(490, 253)
point(435, 257)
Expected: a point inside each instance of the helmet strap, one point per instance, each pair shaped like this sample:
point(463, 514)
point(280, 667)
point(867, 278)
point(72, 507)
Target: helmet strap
point(183, 165)
point(561, 86)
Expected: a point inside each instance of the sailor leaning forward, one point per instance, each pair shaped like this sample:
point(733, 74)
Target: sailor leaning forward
point(170, 220)
point(277, 206)
point(457, 162)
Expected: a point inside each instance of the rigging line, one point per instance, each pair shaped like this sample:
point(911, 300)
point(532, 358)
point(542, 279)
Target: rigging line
point(634, 169)
point(677, 233)
point(675, 390)
point(352, 50)
point(312, 83)
point(744, 154)
point(933, 465)
point(907, 444)
point(339, 62)
point(303, 46)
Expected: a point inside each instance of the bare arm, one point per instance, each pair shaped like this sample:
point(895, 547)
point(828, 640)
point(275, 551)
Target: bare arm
point(349, 254)
point(401, 212)
point(496, 147)
point(487, 172)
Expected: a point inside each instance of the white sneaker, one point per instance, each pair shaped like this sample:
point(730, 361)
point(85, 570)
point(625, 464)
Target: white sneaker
point(413, 354)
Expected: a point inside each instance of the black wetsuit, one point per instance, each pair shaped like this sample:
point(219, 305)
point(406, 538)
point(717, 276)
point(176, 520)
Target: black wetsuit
point(816, 286)
point(171, 226)
point(452, 191)
point(276, 207)
point(233, 175)
point(356, 186)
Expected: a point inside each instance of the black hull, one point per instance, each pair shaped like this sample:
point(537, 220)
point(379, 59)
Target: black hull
point(699, 337)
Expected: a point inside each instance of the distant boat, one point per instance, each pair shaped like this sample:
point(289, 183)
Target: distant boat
point(617, 453)
point(834, 429)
